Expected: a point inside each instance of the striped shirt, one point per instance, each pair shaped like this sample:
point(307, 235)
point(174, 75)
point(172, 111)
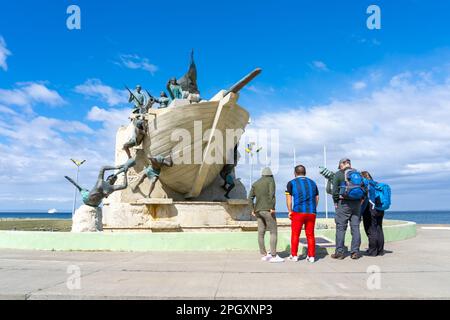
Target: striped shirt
point(304, 192)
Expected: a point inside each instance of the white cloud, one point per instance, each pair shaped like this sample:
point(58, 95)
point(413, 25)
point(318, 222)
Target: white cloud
point(111, 120)
point(27, 94)
point(260, 90)
point(371, 42)
point(4, 53)
point(36, 154)
point(112, 116)
point(94, 88)
point(39, 93)
point(359, 85)
point(320, 65)
point(36, 150)
point(7, 110)
point(400, 133)
point(133, 61)
point(421, 168)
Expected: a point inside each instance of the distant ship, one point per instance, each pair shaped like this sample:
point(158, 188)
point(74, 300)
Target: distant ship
point(52, 211)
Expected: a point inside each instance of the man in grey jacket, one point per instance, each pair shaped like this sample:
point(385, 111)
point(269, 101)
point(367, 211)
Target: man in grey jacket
point(347, 211)
point(264, 211)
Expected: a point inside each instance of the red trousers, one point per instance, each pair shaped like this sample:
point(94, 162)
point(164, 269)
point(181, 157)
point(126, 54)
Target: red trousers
point(298, 221)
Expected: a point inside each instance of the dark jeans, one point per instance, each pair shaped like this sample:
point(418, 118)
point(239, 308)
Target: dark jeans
point(348, 211)
point(373, 225)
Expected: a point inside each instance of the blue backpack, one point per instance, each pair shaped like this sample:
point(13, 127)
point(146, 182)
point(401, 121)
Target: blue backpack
point(383, 194)
point(353, 188)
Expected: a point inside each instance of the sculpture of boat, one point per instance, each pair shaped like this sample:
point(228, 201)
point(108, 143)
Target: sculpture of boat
point(197, 179)
point(202, 120)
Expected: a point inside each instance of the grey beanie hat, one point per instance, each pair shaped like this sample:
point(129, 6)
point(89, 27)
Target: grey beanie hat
point(343, 160)
point(266, 172)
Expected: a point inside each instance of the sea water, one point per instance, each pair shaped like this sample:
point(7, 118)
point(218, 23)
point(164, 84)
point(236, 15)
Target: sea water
point(420, 217)
point(36, 215)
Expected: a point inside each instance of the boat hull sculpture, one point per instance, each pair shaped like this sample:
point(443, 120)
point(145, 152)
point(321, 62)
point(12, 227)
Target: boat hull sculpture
point(189, 118)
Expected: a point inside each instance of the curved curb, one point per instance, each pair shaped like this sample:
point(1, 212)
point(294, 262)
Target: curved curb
point(182, 241)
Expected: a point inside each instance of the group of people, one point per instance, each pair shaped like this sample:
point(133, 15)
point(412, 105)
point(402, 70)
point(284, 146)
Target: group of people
point(356, 198)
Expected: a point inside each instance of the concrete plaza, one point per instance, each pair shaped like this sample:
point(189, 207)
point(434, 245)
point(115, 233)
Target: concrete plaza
point(418, 268)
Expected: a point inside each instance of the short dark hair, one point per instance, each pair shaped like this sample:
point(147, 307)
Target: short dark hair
point(300, 170)
point(366, 175)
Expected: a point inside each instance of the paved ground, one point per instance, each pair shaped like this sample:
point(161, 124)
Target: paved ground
point(417, 268)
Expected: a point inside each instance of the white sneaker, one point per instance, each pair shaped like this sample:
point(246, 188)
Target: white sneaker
point(276, 259)
point(311, 260)
point(266, 257)
point(293, 259)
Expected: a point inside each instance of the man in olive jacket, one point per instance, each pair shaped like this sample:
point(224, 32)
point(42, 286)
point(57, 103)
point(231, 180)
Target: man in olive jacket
point(264, 211)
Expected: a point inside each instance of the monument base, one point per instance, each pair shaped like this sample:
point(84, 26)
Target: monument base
point(166, 215)
point(87, 219)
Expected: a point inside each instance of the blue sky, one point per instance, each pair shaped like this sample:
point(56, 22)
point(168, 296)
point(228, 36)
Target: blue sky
point(316, 57)
point(283, 37)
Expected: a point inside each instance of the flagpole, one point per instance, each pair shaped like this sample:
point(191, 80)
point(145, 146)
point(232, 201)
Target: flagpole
point(78, 164)
point(325, 193)
point(75, 193)
point(295, 158)
point(251, 170)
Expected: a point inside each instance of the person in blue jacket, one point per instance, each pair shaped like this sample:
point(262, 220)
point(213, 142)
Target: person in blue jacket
point(372, 218)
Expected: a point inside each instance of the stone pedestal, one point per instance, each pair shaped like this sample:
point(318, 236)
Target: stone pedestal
point(87, 219)
point(167, 216)
point(167, 210)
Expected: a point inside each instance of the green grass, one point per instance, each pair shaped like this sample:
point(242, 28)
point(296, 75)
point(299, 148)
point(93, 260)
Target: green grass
point(36, 225)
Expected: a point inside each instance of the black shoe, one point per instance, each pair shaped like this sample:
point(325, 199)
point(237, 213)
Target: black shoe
point(370, 253)
point(338, 256)
point(355, 256)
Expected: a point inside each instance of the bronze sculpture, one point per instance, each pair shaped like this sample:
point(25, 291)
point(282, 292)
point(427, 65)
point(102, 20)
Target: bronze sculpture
point(138, 98)
point(139, 131)
point(103, 188)
point(153, 171)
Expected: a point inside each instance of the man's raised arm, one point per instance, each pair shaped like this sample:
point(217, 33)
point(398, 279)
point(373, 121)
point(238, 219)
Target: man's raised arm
point(101, 174)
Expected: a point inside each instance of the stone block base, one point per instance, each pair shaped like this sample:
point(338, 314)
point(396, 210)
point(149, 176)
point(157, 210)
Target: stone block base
point(175, 216)
point(87, 219)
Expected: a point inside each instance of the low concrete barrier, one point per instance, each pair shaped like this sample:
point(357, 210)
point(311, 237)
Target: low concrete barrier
point(172, 241)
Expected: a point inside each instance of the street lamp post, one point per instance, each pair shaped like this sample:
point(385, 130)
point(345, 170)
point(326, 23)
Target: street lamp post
point(251, 152)
point(78, 164)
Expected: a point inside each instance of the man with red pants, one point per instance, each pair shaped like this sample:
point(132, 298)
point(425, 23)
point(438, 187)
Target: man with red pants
point(302, 198)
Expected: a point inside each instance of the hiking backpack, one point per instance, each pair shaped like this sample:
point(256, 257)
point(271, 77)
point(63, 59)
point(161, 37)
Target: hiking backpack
point(383, 196)
point(353, 188)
